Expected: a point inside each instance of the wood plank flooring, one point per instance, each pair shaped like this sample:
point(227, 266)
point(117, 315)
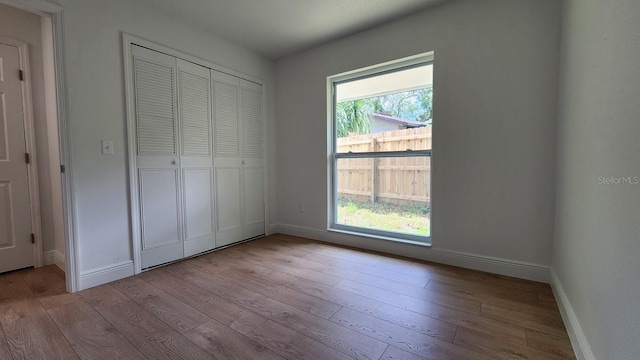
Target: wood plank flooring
point(283, 297)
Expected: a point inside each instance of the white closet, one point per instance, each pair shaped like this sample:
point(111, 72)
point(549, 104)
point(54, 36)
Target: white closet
point(198, 178)
point(237, 115)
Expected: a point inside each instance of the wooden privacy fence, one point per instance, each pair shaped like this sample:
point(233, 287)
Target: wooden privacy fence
point(401, 181)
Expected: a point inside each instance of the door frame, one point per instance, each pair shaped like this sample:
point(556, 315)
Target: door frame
point(30, 145)
point(55, 12)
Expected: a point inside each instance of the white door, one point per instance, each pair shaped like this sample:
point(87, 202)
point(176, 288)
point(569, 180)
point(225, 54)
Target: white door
point(16, 249)
point(157, 157)
point(196, 160)
point(228, 172)
point(252, 162)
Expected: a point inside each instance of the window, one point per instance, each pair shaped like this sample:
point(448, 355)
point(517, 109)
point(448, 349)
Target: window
point(380, 150)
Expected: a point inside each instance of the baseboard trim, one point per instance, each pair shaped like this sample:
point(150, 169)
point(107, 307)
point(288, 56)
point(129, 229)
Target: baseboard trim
point(59, 260)
point(48, 257)
point(579, 341)
point(54, 257)
point(490, 264)
point(273, 229)
point(106, 274)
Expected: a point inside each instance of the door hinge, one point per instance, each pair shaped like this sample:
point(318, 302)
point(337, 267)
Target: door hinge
point(62, 168)
point(33, 239)
point(21, 75)
point(27, 158)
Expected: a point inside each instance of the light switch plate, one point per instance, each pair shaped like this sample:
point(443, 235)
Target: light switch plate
point(107, 147)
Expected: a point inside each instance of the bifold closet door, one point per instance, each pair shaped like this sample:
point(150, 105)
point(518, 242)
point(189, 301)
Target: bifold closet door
point(196, 160)
point(238, 158)
point(252, 159)
point(174, 157)
point(227, 158)
point(157, 158)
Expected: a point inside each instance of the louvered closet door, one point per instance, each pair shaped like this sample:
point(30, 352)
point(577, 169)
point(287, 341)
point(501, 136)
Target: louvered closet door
point(227, 160)
point(196, 157)
point(159, 178)
point(252, 162)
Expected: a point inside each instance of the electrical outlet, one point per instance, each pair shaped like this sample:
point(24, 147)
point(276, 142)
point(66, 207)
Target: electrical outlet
point(107, 147)
point(301, 207)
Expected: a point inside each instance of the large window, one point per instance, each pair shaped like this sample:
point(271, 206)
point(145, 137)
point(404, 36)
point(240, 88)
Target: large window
point(380, 147)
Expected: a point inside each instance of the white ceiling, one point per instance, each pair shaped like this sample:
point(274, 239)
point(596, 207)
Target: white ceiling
point(276, 28)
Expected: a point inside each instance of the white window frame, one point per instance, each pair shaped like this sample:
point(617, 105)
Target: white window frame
point(333, 156)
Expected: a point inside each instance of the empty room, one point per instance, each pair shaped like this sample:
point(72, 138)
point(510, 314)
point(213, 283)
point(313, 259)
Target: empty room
point(319, 179)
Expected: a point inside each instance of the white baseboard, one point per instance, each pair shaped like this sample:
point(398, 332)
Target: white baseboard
point(273, 229)
point(489, 264)
point(578, 340)
point(105, 274)
point(48, 257)
point(54, 257)
point(59, 260)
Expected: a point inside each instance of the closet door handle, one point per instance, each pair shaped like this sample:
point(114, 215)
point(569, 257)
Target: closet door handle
point(174, 162)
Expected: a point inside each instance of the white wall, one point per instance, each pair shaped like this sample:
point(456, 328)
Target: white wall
point(25, 26)
point(495, 80)
point(597, 247)
point(97, 111)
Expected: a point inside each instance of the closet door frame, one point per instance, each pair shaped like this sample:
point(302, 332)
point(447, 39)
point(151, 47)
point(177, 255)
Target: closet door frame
point(127, 41)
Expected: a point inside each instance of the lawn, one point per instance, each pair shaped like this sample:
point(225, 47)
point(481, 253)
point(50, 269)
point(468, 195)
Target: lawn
point(411, 219)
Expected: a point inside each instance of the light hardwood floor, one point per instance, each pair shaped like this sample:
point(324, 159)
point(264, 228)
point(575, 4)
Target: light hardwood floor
point(283, 297)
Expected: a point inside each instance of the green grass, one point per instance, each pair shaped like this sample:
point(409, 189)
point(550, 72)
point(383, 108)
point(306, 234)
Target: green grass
point(411, 219)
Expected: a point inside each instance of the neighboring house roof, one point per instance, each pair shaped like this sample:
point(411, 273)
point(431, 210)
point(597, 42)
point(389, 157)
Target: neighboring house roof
point(404, 122)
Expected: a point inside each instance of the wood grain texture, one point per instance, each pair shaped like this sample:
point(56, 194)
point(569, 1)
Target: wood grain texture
point(224, 311)
point(152, 337)
point(408, 302)
point(545, 322)
point(293, 345)
point(557, 345)
point(495, 348)
point(283, 297)
point(91, 336)
point(300, 300)
point(180, 316)
point(31, 334)
point(224, 343)
point(408, 319)
point(403, 338)
point(44, 282)
point(5, 353)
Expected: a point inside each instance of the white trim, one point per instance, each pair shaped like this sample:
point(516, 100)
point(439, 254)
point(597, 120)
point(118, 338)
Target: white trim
point(422, 59)
point(134, 199)
point(72, 272)
point(273, 229)
point(106, 274)
point(579, 341)
point(49, 257)
point(58, 259)
point(518, 269)
point(54, 257)
point(30, 145)
point(47, 8)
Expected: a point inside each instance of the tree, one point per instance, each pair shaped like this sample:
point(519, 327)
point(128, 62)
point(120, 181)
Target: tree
point(412, 105)
point(354, 117)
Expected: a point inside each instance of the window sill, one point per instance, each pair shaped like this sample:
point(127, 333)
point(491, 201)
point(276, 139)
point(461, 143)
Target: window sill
point(382, 237)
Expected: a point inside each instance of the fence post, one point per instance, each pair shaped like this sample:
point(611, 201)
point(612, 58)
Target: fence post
point(374, 172)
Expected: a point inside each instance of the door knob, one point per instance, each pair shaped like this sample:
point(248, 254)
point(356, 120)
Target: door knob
point(174, 162)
